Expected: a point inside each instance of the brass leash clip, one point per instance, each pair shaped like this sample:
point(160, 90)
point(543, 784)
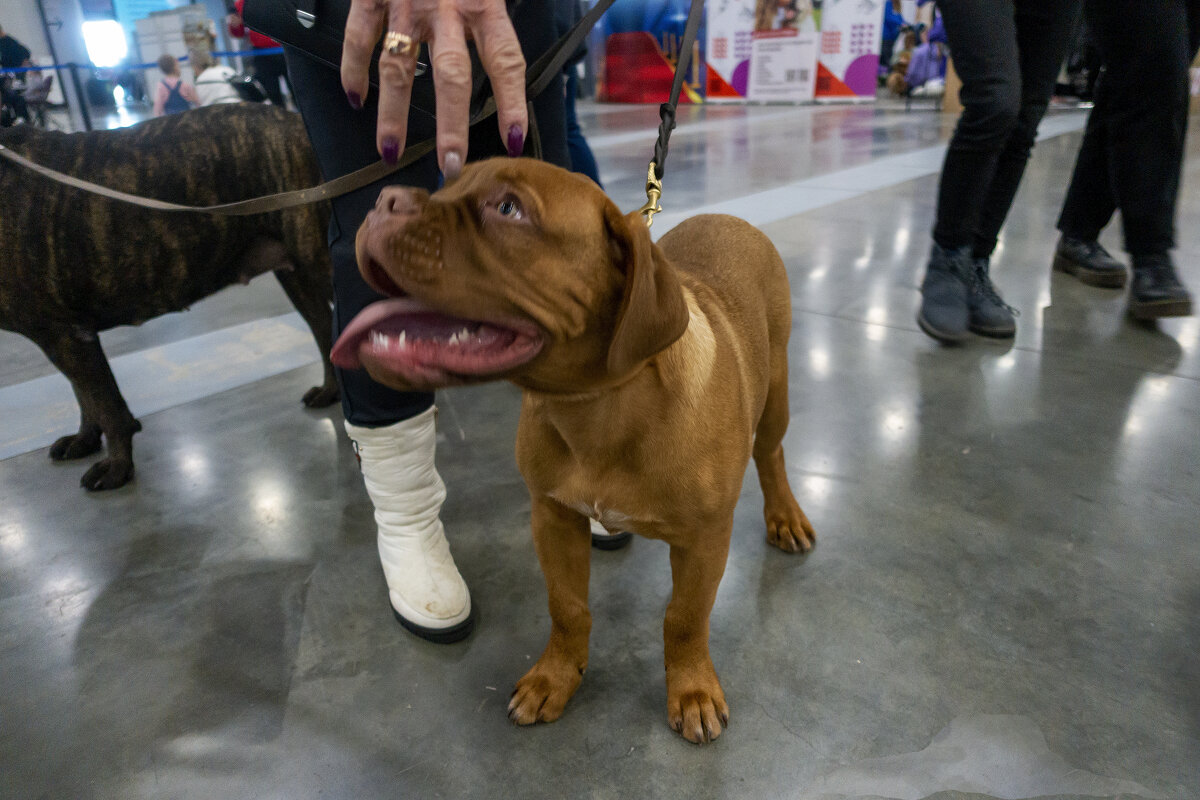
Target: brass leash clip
point(653, 194)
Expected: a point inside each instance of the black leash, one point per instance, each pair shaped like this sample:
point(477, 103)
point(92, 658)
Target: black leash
point(666, 113)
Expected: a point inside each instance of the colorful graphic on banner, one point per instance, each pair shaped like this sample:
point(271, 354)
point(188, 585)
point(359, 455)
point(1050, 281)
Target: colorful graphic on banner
point(641, 47)
point(848, 61)
point(761, 50)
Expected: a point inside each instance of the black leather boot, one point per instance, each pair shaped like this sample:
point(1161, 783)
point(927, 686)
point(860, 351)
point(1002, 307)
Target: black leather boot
point(1089, 262)
point(989, 314)
point(944, 314)
point(1156, 290)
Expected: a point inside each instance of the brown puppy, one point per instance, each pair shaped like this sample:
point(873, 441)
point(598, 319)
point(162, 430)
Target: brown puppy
point(651, 373)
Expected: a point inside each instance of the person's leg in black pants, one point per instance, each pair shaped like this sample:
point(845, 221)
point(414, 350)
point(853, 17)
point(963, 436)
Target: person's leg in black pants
point(394, 431)
point(1132, 153)
point(267, 71)
point(1007, 53)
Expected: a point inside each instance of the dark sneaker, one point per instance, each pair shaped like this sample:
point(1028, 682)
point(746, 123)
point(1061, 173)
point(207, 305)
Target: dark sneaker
point(988, 313)
point(1089, 262)
point(1156, 290)
point(943, 313)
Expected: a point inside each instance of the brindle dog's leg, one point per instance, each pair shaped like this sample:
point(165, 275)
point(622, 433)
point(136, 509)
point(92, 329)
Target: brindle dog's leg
point(564, 547)
point(311, 292)
point(787, 526)
point(101, 408)
point(696, 705)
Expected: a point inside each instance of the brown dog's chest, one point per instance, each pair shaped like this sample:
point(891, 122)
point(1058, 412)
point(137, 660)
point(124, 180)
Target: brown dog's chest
point(656, 485)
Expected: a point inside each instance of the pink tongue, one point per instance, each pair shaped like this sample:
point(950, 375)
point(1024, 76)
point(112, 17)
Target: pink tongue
point(418, 322)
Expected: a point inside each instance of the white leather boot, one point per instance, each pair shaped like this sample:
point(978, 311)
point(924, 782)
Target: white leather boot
point(428, 595)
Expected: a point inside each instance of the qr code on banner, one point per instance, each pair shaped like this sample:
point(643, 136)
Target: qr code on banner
point(831, 43)
point(720, 48)
point(796, 76)
point(862, 39)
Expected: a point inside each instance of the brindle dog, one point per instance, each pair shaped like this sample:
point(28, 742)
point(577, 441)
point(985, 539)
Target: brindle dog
point(75, 263)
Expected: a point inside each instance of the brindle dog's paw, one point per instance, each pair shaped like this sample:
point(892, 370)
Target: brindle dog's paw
point(789, 529)
point(76, 445)
point(543, 693)
point(321, 396)
point(111, 473)
point(696, 708)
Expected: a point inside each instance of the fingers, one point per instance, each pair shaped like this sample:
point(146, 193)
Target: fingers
point(364, 26)
point(397, 71)
point(500, 53)
point(452, 86)
point(445, 25)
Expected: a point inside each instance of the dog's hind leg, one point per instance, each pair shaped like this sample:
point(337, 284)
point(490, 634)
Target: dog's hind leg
point(311, 291)
point(101, 409)
point(787, 526)
point(564, 548)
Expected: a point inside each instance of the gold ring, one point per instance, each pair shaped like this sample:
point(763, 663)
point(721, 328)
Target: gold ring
point(399, 44)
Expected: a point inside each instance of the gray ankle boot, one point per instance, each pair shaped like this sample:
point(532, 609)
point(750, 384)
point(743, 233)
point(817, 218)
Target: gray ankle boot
point(989, 314)
point(944, 314)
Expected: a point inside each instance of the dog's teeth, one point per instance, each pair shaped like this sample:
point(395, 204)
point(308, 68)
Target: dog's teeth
point(401, 341)
point(379, 340)
point(454, 338)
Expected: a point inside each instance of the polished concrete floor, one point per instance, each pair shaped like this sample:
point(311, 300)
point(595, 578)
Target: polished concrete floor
point(1003, 602)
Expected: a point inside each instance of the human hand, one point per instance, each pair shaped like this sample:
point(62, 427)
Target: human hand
point(445, 25)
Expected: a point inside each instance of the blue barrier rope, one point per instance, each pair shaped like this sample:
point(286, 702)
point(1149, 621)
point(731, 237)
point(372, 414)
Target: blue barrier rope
point(266, 51)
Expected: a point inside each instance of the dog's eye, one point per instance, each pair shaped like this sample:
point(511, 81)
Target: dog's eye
point(509, 207)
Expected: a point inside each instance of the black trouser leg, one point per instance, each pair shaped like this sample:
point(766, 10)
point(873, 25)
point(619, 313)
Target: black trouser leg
point(1003, 51)
point(344, 141)
point(1090, 202)
point(1135, 139)
point(267, 71)
point(1043, 31)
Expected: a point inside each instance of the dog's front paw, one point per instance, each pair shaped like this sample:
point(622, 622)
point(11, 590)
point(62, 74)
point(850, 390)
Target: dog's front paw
point(321, 396)
point(111, 473)
point(696, 707)
point(789, 529)
point(76, 445)
point(543, 693)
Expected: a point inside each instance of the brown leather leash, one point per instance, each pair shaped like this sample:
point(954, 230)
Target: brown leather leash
point(538, 78)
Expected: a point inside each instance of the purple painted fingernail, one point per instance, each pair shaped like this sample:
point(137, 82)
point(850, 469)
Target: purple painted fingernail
point(391, 150)
point(355, 100)
point(516, 141)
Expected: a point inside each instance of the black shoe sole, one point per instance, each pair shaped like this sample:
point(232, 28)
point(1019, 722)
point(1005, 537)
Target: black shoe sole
point(439, 635)
point(1103, 278)
point(611, 541)
point(1160, 308)
point(941, 336)
point(994, 333)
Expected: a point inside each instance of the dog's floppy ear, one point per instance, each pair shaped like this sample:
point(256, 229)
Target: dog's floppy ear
point(653, 312)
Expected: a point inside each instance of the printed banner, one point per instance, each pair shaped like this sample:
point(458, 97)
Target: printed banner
point(762, 50)
point(848, 61)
